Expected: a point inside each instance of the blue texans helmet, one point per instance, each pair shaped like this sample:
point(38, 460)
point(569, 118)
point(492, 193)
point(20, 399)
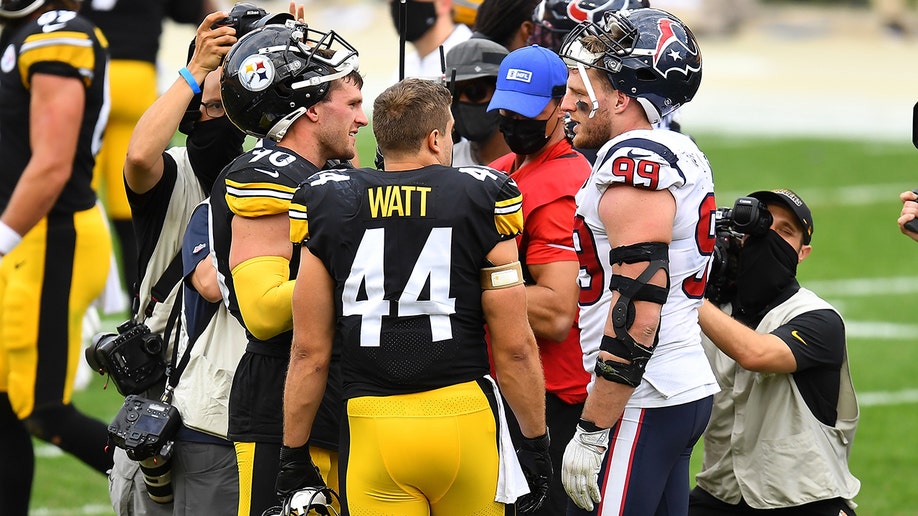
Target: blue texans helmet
point(648, 54)
point(554, 19)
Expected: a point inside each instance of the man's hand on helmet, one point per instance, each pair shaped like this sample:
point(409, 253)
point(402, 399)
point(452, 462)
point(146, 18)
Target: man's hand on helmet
point(296, 472)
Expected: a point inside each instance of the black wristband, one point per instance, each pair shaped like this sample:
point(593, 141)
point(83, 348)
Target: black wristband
point(540, 443)
point(589, 426)
point(298, 454)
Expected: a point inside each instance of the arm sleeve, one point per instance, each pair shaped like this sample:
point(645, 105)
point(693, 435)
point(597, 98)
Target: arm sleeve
point(265, 295)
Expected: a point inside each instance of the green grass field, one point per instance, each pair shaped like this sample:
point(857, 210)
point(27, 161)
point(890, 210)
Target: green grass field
point(860, 263)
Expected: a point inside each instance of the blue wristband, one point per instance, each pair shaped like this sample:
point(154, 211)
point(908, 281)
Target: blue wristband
point(192, 83)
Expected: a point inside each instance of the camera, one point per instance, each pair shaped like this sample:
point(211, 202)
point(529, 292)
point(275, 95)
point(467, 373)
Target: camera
point(749, 216)
point(133, 357)
point(144, 429)
point(245, 18)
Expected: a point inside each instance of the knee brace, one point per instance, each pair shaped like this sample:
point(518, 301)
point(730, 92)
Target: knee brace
point(623, 345)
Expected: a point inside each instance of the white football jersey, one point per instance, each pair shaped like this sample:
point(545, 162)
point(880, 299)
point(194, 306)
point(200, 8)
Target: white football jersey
point(657, 159)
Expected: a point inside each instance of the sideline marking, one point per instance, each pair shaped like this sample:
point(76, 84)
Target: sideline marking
point(880, 330)
point(882, 398)
point(858, 287)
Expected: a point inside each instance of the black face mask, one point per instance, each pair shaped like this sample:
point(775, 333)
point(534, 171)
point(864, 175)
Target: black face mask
point(473, 121)
point(421, 17)
point(767, 266)
point(524, 136)
point(211, 146)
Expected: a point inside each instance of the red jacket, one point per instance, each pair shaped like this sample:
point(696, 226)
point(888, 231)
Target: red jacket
point(548, 185)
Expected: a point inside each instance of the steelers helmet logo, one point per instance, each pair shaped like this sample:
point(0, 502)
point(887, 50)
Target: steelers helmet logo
point(256, 72)
point(9, 59)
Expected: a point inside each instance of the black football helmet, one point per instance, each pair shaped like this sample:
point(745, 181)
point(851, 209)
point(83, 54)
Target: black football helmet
point(648, 54)
point(273, 74)
point(19, 8)
point(554, 19)
point(309, 501)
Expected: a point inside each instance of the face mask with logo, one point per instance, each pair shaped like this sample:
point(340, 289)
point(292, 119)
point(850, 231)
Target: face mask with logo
point(524, 136)
point(421, 16)
point(473, 121)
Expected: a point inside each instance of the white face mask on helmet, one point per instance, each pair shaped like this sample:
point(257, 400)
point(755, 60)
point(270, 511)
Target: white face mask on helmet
point(19, 8)
point(308, 501)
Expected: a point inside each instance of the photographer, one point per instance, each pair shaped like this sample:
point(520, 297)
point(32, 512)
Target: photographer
point(781, 429)
point(909, 213)
point(164, 186)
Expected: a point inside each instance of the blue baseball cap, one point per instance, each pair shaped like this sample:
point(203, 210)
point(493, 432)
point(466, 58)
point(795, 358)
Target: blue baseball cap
point(528, 79)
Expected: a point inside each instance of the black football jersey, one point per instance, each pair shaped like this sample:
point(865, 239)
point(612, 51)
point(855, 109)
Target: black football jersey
point(405, 250)
point(258, 183)
point(57, 43)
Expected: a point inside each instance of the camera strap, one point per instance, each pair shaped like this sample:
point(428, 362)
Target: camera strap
point(174, 371)
point(176, 365)
point(161, 289)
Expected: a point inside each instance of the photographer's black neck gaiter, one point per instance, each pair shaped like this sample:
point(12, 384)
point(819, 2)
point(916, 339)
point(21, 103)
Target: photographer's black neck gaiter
point(212, 145)
point(767, 266)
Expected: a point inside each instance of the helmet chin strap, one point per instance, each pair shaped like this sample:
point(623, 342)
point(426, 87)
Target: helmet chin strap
point(589, 87)
point(653, 116)
point(279, 129)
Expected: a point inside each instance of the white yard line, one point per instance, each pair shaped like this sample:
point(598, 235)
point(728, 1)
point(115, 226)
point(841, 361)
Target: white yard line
point(86, 510)
point(858, 287)
point(881, 398)
point(854, 195)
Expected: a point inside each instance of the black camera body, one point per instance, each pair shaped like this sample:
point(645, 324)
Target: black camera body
point(749, 216)
point(133, 357)
point(144, 428)
point(246, 17)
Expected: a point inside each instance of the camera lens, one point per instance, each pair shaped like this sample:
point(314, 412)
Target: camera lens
point(152, 344)
point(751, 216)
point(157, 475)
point(93, 354)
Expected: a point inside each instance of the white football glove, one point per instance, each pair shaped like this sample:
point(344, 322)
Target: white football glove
point(580, 466)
